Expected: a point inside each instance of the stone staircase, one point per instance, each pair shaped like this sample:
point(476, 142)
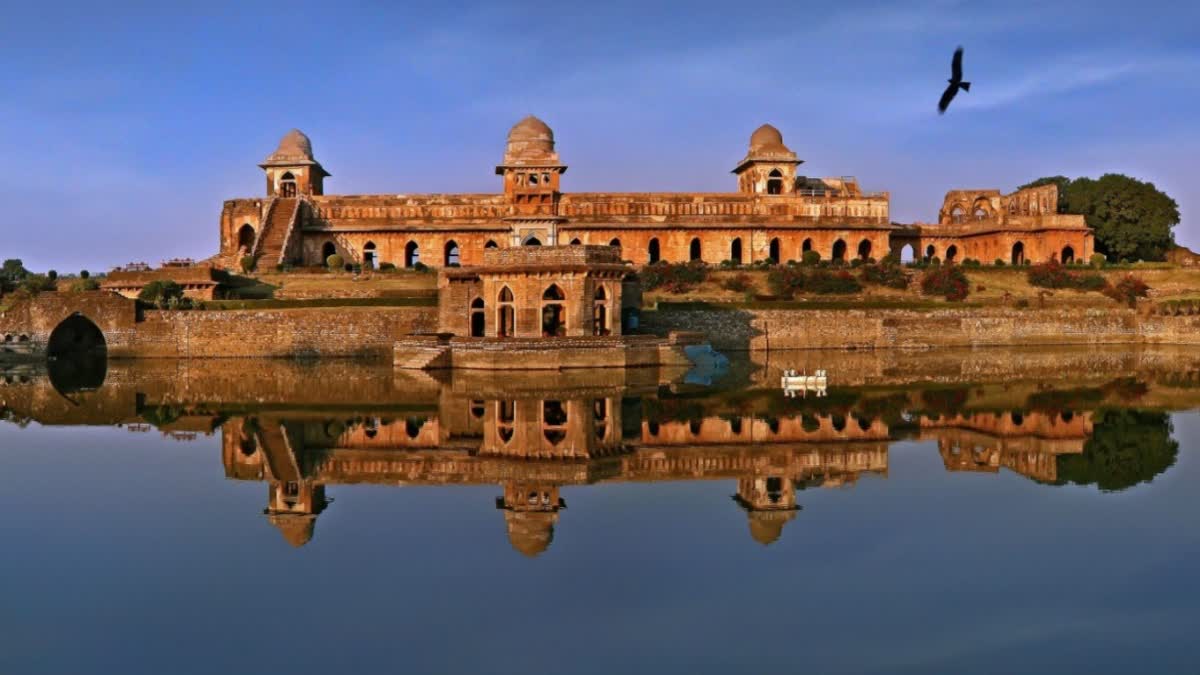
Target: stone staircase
point(269, 247)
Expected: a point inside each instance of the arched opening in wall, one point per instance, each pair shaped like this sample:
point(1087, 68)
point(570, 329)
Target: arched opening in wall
point(245, 237)
point(735, 250)
point(491, 244)
point(412, 254)
point(451, 254)
point(287, 185)
point(694, 249)
point(576, 242)
point(806, 247)
point(864, 249)
point(506, 415)
point(654, 252)
point(930, 252)
point(478, 318)
point(327, 249)
point(980, 213)
point(1018, 253)
point(600, 322)
point(505, 316)
point(369, 255)
point(78, 355)
point(773, 251)
point(615, 243)
point(775, 182)
point(1068, 255)
point(908, 253)
point(533, 241)
point(957, 215)
point(839, 251)
point(412, 426)
point(554, 421)
point(553, 317)
point(600, 417)
point(951, 253)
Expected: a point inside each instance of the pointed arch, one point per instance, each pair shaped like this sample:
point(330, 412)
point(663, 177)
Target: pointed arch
point(839, 251)
point(775, 182)
point(1018, 253)
point(506, 318)
point(412, 254)
point(451, 254)
point(478, 317)
point(491, 244)
point(735, 250)
point(369, 255)
point(654, 251)
point(694, 249)
point(773, 251)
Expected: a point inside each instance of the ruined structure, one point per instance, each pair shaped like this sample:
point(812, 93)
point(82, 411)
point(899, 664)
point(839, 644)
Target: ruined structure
point(775, 214)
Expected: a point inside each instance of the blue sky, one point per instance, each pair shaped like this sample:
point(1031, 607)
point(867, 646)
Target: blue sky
point(123, 126)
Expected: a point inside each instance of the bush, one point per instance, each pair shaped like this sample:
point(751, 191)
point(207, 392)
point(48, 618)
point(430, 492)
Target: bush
point(674, 278)
point(971, 262)
point(1098, 260)
point(84, 274)
point(387, 267)
point(890, 276)
point(52, 275)
point(36, 283)
point(249, 262)
point(729, 264)
point(999, 262)
point(421, 267)
point(335, 262)
point(164, 294)
point(739, 283)
point(1056, 275)
point(785, 281)
point(830, 283)
point(810, 258)
point(83, 284)
point(949, 282)
point(1128, 290)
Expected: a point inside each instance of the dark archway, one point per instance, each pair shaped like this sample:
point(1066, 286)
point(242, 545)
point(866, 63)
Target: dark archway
point(600, 313)
point(1018, 253)
point(839, 251)
point(1068, 255)
point(694, 249)
point(478, 318)
point(246, 237)
point(735, 250)
point(805, 247)
point(864, 249)
point(775, 182)
point(412, 254)
point(76, 335)
point(576, 242)
point(370, 257)
point(553, 317)
point(773, 251)
point(491, 244)
point(506, 318)
point(951, 253)
point(930, 252)
point(533, 241)
point(655, 251)
point(451, 254)
point(327, 250)
point(615, 243)
point(287, 185)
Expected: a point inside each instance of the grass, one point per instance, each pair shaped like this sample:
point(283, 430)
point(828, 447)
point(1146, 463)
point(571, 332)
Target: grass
point(227, 305)
point(824, 304)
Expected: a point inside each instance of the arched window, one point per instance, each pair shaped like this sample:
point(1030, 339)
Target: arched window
point(773, 251)
point(694, 249)
point(1068, 255)
point(951, 253)
point(505, 316)
point(369, 255)
point(412, 254)
point(839, 251)
point(930, 251)
point(553, 317)
point(805, 247)
point(864, 249)
point(491, 244)
point(957, 214)
point(600, 324)
point(478, 318)
point(246, 237)
point(908, 253)
point(775, 182)
point(1018, 253)
point(533, 241)
point(980, 213)
point(451, 254)
point(576, 242)
point(327, 250)
point(615, 243)
point(735, 250)
point(654, 252)
point(287, 185)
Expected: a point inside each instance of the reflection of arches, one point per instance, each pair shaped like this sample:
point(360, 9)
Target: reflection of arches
point(412, 254)
point(1018, 253)
point(951, 253)
point(246, 237)
point(554, 421)
point(553, 317)
point(735, 250)
point(369, 258)
point(655, 253)
point(773, 251)
point(451, 254)
point(775, 182)
point(327, 250)
point(478, 318)
point(505, 316)
point(694, 249)
point(287, 185)
point(839, 250)
point(864, 249)
point(76, 335)
point(1068, 255)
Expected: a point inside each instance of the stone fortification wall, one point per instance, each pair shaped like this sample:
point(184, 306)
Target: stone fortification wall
point(769, 330)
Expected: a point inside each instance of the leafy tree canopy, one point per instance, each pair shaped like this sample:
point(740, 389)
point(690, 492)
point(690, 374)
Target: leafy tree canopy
point(1127, 447)
point(1132, 218)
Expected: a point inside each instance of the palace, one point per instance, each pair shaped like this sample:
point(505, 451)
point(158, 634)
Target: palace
point(776, 214)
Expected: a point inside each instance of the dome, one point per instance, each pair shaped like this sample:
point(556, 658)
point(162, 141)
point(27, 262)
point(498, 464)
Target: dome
point(530, 141)
point(295, 149)
point(767, 139)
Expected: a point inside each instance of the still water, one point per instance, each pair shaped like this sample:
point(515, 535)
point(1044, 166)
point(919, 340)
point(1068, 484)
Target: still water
point(997, 511)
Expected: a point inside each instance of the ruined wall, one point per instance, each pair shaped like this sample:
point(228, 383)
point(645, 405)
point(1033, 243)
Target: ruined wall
point(779, 329)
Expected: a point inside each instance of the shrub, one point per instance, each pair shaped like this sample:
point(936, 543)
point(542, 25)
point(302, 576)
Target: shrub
point(1128, 290)
point(739, 283)
point(949, 282)
point(357, 268)
point(999, 262)
point(164, 294)
point(421, 267)
point(674, 278)
point(36, 283)
point(84, 284)
point(935, 261)
point(335, 262)
point(387, 267)
point(890, 276)
point(1098, 260)
point(84, 274)
point(729, 264)
point(810, 258)
point(785, 281)
point(1056, 275)
point(830, 283)
point(249, 262)
point(52, 275)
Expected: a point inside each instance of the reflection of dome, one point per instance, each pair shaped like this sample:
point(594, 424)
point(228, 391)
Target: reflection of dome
point(530, 141)
point(530, 532)
point(767, 526)
point(297, 529)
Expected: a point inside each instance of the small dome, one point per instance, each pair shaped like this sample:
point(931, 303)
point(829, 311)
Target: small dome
point(530, 141)
point(765, 135)
point(294, 144)
point(531, 129)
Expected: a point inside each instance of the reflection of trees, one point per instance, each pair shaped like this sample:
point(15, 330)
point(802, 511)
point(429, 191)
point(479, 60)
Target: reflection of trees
point(1127, 447)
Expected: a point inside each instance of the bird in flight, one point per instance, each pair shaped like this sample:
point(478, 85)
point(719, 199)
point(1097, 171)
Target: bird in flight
point(956, 82)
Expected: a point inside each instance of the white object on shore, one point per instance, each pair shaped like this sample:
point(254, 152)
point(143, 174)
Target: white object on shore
point(800, 383)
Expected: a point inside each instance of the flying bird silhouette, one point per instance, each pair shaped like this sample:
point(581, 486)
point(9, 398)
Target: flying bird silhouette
point(956, 82)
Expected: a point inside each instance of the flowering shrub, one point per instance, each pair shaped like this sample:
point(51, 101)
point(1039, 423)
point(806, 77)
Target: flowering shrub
point(787, 281)
point(1128, 290)
point(949, 282)
point(891, 276)
point(674, 278)
point(1056, 275)
point(739, 283)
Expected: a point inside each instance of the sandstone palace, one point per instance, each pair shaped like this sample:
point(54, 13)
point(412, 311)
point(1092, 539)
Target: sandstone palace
point(775, 215)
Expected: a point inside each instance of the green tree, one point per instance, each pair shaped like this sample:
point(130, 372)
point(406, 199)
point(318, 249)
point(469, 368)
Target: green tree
point(12, 273)
point(162, 294)
point(1132, 218)
point(1127, 447)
